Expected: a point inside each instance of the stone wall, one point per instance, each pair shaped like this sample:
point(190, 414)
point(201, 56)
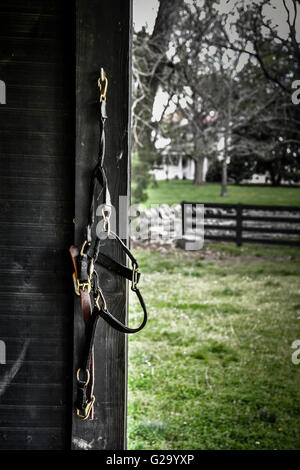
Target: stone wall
point(161, 224)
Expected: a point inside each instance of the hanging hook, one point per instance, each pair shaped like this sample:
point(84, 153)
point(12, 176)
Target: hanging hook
point(102, 84)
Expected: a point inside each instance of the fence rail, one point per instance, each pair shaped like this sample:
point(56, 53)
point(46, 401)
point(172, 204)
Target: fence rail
point(242, 223)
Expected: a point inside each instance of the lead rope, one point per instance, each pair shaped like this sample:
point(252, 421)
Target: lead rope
point(86, 279)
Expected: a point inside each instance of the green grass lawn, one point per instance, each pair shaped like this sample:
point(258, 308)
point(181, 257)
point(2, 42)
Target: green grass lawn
point(175, 191)
point(213, 369)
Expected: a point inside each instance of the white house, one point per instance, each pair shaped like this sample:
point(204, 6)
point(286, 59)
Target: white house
point(174, 167)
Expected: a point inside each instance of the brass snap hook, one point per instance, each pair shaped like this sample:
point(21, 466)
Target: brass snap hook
point(99, 297)
point(102, 84)
point(87, 409)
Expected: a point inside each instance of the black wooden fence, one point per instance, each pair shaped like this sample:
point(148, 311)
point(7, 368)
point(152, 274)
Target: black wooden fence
point(242, 223)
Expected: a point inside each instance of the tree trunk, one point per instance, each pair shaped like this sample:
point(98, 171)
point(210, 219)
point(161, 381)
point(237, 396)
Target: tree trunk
point(158, 44)
point(224, 166)
point(274, 175)
point(227, 140)
point(224, 178)
point(156, 62)
point(199, 176)
point(167, 172)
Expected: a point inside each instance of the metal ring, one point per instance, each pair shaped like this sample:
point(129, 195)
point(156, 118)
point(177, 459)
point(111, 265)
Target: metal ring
point(81, 381)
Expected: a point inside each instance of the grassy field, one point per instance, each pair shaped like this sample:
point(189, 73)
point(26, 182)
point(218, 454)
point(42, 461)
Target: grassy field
point(213, 369)
point(175, 191)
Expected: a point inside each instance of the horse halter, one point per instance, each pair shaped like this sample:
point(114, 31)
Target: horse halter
point(85, 277)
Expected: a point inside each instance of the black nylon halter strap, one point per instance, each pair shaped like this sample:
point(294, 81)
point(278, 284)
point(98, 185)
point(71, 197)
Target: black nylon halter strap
point(131, 274)
point(109, 263)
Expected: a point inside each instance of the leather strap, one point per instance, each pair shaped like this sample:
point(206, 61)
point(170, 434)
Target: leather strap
point(84, 396)
point(118, 268)
point(86, 392)
point(119, 326)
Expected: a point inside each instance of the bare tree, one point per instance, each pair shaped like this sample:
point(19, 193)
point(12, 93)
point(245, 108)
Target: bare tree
point(207, 89)
point(229, 75)
point(249, 28)
point(149, 70)
point(150, 64)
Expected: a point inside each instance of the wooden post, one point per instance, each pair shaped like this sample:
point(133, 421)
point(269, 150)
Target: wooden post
point(103, 35)
point(239, 224)
point(182, 218)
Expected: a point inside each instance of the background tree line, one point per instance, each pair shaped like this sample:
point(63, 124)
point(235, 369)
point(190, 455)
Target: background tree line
point(227, 68)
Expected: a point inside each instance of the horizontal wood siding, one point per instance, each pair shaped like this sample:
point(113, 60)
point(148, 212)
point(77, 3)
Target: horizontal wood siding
point(37, 63)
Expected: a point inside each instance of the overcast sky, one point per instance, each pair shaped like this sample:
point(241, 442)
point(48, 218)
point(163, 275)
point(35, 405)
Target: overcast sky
point(144, 14)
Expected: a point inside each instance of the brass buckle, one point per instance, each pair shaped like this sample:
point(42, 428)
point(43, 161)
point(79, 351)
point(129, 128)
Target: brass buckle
point(135, 279)
point(80, 285)
point(87, 409)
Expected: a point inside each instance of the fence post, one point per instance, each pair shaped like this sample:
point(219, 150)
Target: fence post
point(239, 224)
point(182, 218)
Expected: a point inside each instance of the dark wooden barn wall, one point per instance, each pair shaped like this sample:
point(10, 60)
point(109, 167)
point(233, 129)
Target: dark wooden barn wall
point(103, 39)
point(36, 222)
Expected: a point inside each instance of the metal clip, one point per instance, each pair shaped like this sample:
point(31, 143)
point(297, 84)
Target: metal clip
point(87, 409)
point(83, 247)
point(100, 296)
point(135, 276)
point(102, 84)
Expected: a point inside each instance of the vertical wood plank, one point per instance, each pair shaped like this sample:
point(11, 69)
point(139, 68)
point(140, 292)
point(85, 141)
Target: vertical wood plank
point(103, 40)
